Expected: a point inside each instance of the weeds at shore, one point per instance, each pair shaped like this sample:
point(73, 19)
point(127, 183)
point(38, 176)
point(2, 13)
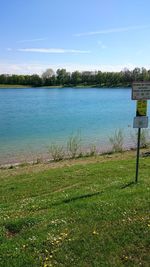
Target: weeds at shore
point(117, 141)
point(74, 146)
point(144, 140)
point(56, 152)
point(74, 150)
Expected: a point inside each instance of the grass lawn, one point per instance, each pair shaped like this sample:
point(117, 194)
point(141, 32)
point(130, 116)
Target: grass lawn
point(79, 215)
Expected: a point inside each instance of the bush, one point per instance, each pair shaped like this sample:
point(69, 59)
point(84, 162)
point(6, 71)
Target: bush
point(144, 140)
point(117, 141)
point(73, 145)
point(92, 150)
point(57, 152)
point(38, 160)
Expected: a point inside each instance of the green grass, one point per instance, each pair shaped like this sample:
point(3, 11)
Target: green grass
point(82, 215)
point(13, 86)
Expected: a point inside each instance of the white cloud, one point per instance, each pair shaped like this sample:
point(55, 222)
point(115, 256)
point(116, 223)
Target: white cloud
point(19, 68)
point(32, 40)
point(39, 68)
point(100, 43)
point(53, 50)
point(113, 30)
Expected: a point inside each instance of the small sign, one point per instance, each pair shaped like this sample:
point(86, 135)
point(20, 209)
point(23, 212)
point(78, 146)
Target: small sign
point(140, 122)
point(141, 90)
point(141, 108)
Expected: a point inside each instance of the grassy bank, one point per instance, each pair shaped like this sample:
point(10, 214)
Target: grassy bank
point(13, 86)
point(81, 213)
point(61, 86)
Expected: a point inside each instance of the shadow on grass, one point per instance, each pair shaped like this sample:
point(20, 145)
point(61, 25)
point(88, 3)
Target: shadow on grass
point(128, 185)
point(81, 197)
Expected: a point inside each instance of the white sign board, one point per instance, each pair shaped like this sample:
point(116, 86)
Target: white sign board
point(140, 122)
point(141, 90)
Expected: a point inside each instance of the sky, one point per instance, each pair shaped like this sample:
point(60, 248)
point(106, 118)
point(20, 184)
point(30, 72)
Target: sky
point(106, 35)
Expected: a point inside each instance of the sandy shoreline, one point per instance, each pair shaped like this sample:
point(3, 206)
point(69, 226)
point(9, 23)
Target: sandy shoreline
point(44, 157)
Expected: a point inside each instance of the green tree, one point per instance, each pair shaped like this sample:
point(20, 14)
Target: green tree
point(47, 74)
point(136, 74)
point(35, 80)
point(76, 78)
point(63, 77)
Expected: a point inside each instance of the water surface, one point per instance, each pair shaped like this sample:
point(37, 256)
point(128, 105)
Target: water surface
point(31, 119)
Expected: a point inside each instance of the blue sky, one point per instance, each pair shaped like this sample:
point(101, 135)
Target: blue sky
point(74, 34)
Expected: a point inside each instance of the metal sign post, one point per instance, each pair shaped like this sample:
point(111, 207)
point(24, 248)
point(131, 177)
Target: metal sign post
point(138, 154)
point(140, 92)
point(139, 122)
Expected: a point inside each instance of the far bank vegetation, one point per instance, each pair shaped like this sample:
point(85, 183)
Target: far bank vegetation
point(63, 78)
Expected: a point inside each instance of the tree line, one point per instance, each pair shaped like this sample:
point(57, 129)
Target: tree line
point(76, 78)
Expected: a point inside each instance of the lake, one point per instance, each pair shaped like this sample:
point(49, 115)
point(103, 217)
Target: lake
point(31, 119)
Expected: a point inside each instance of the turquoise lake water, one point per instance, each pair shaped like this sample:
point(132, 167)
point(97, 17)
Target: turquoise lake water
point(31, 119)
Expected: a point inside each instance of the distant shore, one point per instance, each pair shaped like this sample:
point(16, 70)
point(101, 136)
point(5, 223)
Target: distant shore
point(13, 86)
